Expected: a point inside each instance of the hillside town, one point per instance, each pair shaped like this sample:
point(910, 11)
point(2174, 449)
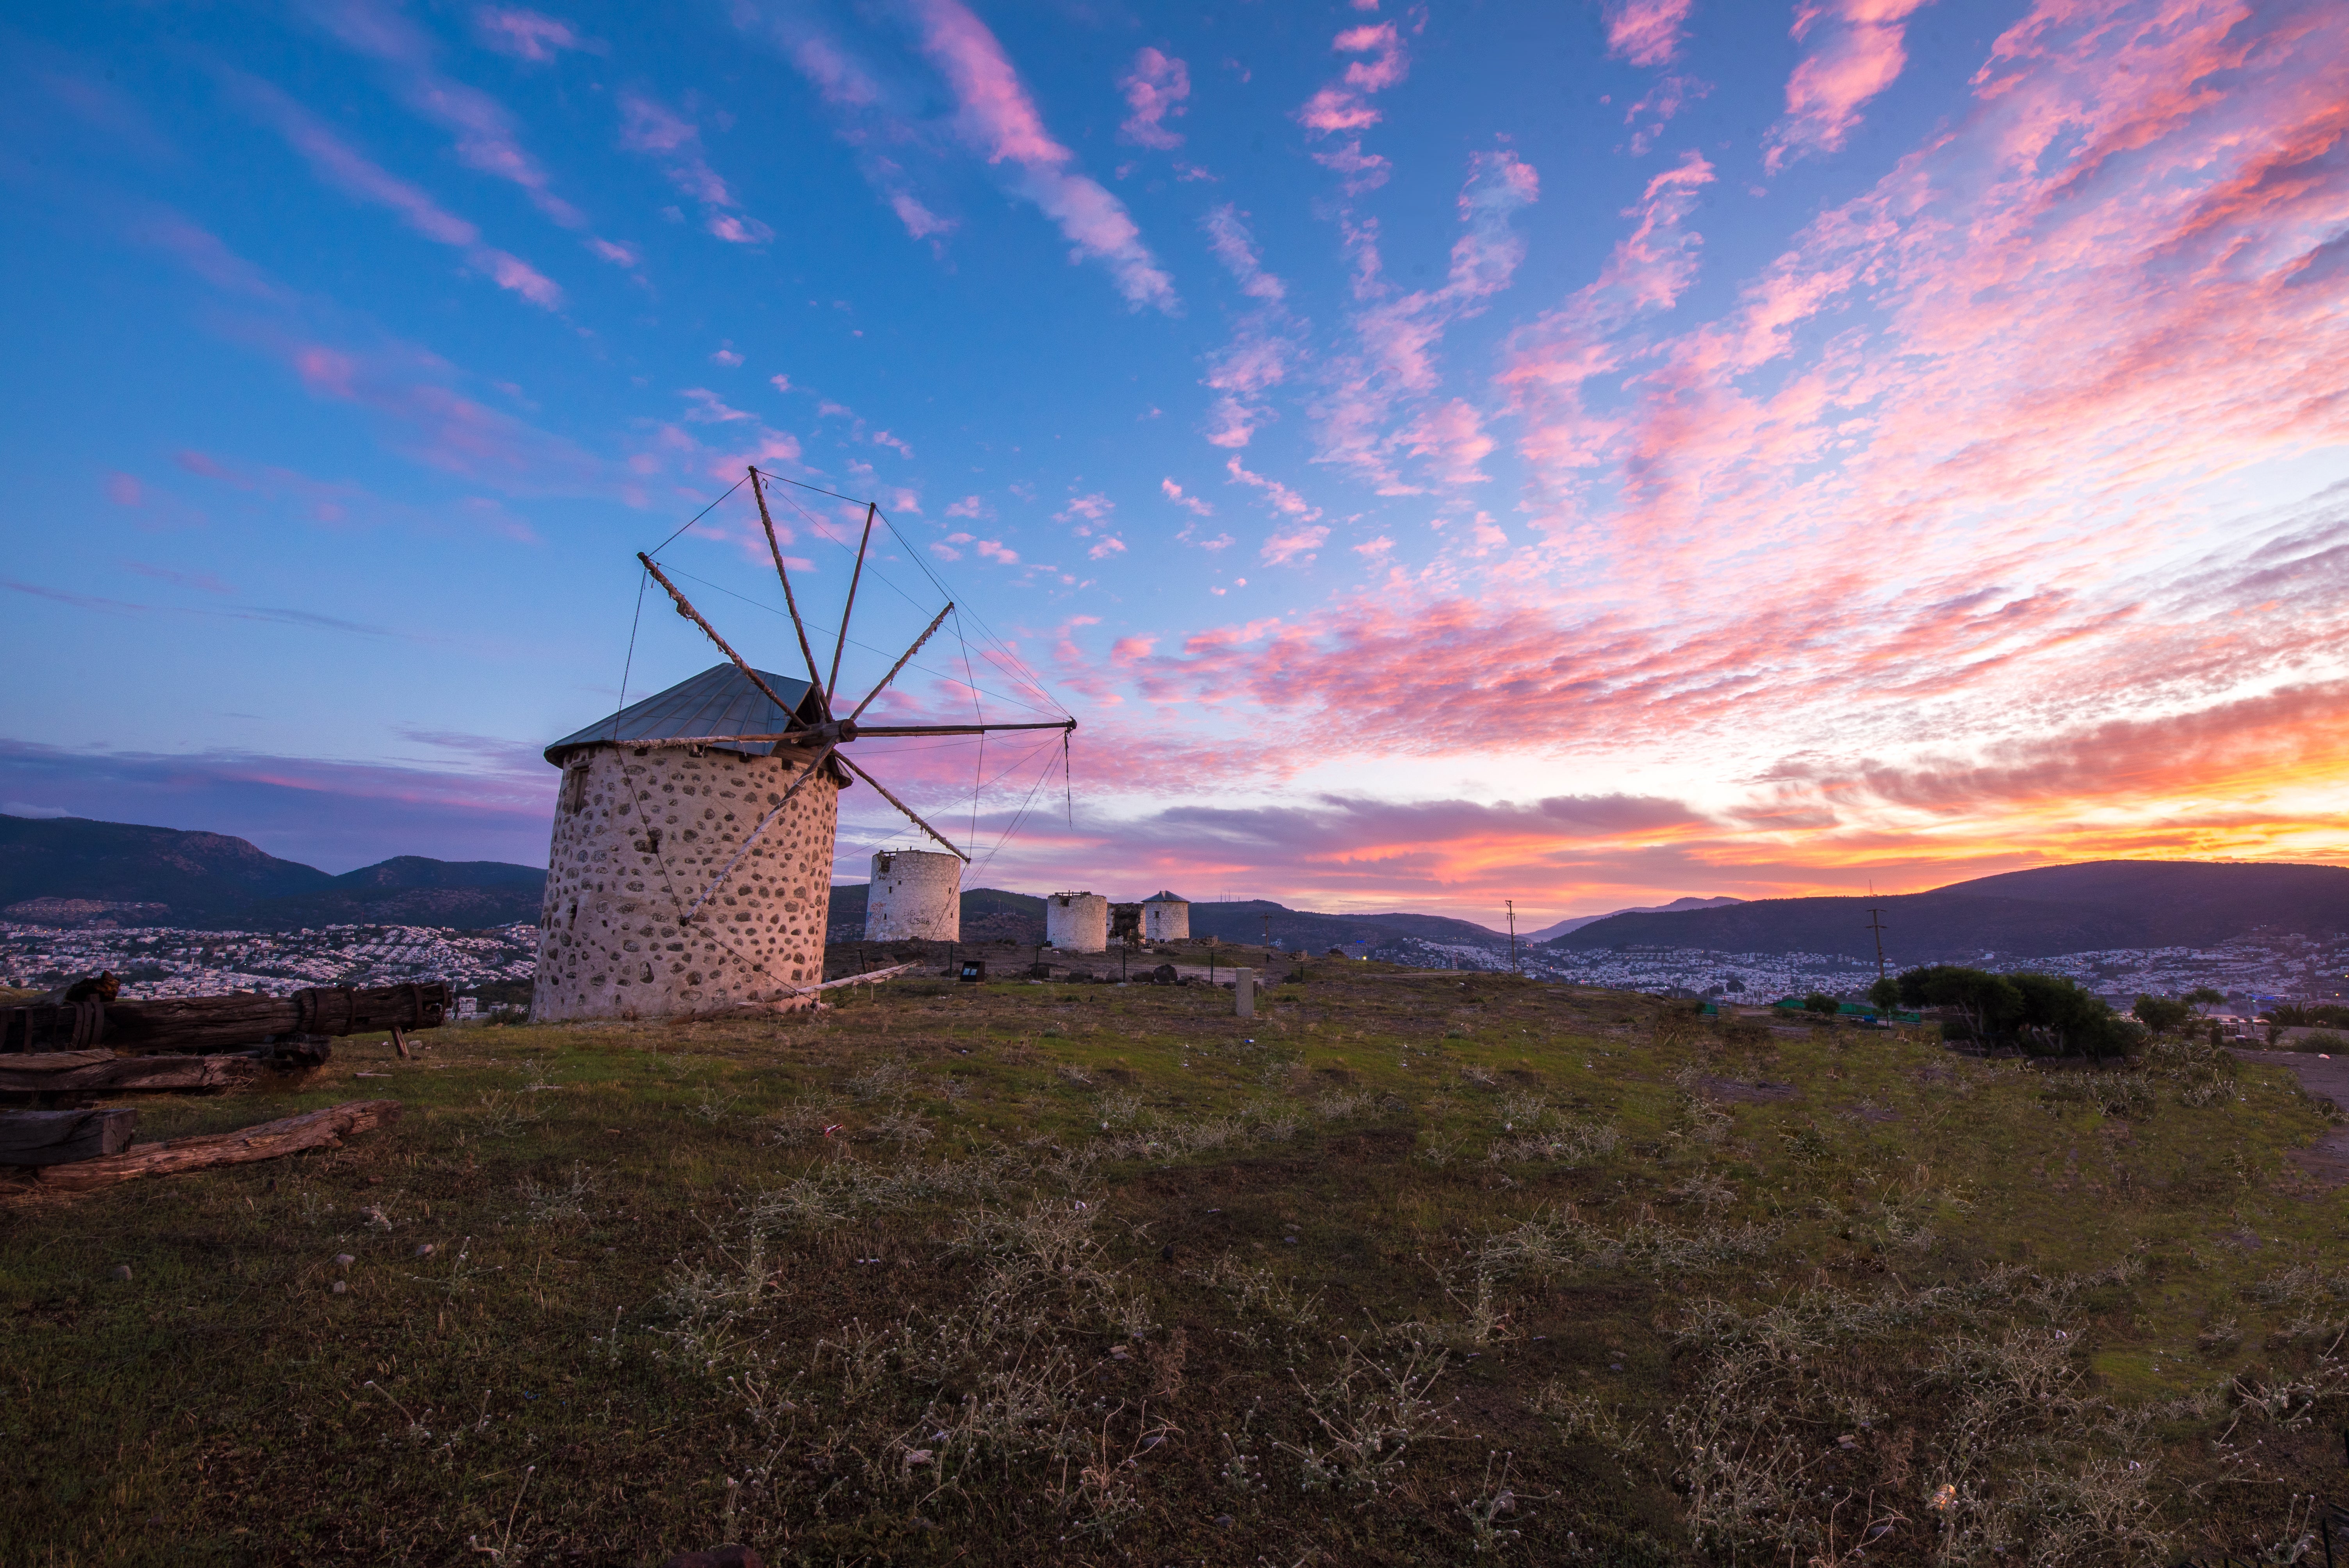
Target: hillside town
point(159, 961)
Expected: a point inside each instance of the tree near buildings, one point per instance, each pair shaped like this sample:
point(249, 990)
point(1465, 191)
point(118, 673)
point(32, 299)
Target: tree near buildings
point(2060, 1015)
point(1988, 1003)
point(1885, 994)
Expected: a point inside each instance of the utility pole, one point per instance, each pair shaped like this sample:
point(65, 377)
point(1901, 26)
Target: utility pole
point(1267, 933)
point(1513, 935)
point(1876, 925)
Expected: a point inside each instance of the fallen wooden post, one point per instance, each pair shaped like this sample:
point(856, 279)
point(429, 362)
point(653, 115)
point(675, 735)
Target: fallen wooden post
point(805, 994)
point(175, 1157)
point(103, 1072)
point(199, 1024)
point(58, 1137)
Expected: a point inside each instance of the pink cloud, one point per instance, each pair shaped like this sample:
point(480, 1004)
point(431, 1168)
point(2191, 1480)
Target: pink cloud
point(1859, 56)
point(1155, 91)
point(619, 255)
point(1646, 32)
point(1281, 549)
point(1452, 437)
point(122, 489)
point(995, 116)
point(527, 35)
point(486, 138)
point(1343, 106)
point(649, 127)
point(1284, 500)
point(1190, 503)
point(709, 409)
point(1658, 106)
point(1399, 333)
point(337, 163)
point(970, 506)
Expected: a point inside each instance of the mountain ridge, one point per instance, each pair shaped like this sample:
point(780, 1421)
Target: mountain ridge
point(80, 871)
point(2087, 906)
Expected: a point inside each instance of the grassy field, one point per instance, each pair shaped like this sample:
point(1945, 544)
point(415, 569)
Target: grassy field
point(1403, 1271)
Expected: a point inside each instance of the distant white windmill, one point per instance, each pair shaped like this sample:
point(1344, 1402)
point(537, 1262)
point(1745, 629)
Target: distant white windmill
point(691, 867)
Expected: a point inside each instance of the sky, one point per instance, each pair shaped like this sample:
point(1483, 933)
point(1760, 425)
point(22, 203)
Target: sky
point(1580, 453)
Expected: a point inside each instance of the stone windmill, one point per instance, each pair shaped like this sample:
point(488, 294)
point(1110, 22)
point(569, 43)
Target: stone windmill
point(690, 868)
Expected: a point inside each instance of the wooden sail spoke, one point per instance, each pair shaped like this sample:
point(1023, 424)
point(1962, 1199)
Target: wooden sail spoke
point(909, 811)
point(845, 610)
point(901, 662)
point(790, 599)
point(685, 608)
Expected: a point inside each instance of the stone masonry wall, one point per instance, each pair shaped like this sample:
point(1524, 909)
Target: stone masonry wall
point(639, 833)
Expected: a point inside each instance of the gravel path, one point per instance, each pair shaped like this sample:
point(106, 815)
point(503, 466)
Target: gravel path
point(2327, 1159)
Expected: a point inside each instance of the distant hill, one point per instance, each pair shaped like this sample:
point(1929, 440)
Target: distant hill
point(2055, 909)
point(1575, 922)
point(70, 870)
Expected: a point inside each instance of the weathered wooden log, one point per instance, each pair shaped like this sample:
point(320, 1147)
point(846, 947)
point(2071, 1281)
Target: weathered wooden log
point(103, 1072)
point(56, 1137)
point(174, 1157)
point(216, 1022)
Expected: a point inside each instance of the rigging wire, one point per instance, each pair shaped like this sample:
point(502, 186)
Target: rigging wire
point(1014, 666)
point(995, 651)
point(1021, 815)
point(981, 765)
point(697, 516)
point(1019, 669)
point(643, 580)
point(867, 647)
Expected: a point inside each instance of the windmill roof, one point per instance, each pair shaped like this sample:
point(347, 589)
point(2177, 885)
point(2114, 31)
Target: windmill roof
point(1161, 896)
point(720, 700)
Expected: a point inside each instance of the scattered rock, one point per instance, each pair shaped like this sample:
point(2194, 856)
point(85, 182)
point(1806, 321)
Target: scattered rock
point(344, 1260)
point(340, 1286)
point(424, 1249)
point(718, 1557)
point(122, 1272)
point(1223, 1520)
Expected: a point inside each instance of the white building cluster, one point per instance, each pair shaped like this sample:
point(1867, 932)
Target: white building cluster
point(163, 961)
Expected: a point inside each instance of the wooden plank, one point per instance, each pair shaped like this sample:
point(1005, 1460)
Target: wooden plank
point(270, 1140)
point(223, 1022)
point(56, 1137)
point(87, 1072)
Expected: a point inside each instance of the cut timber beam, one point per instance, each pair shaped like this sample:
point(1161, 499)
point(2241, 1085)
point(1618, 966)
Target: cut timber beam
point(103, 1072)
point(315, 1130)
point(220, 1023)
point(58, 1137)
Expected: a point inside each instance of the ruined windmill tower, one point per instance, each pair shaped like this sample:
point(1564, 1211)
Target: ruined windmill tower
point(650, 813)
point(916, 895)
point(1077, 923)
point(690, 868)
point(1165, 917)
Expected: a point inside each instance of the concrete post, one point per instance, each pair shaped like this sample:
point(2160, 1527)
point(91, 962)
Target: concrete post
point(1244, 992)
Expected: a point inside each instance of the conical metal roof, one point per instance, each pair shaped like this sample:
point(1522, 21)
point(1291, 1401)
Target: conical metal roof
point(718, 701)
point(1161, 896)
